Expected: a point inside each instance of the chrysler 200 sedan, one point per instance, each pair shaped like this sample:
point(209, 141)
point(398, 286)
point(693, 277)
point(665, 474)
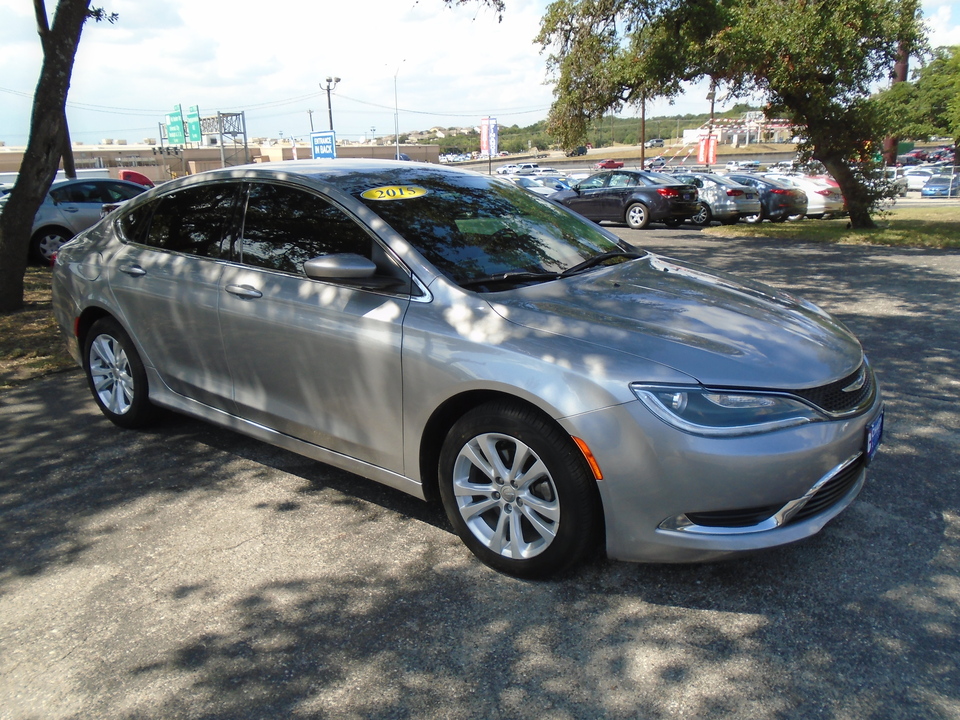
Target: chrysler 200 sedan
point(464, 340)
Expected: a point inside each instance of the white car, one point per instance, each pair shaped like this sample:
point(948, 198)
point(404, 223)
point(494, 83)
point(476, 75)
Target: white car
point(822, 198)
point(547, 171)
point(917, 177)
point(536, 185)
point(506, 169)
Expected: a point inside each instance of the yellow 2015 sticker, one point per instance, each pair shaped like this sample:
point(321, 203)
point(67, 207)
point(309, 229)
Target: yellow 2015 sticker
point(394, 192)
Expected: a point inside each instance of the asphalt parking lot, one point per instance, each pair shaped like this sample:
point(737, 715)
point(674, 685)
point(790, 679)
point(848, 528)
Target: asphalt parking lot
point(188, 572)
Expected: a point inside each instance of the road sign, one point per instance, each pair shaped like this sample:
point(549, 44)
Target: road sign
point(193, 124)
point(324, 144)
point(174, 125)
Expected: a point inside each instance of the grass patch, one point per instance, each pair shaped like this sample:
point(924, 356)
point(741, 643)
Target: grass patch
point(30, 343)
point(903, 226)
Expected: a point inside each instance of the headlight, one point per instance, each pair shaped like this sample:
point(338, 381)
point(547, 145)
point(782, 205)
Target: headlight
point(720, 413)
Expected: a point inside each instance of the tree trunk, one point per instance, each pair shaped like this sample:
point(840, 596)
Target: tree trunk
point(45, 144)
point(854, 193)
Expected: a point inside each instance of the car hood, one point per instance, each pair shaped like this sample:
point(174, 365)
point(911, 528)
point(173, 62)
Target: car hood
point(720, 330)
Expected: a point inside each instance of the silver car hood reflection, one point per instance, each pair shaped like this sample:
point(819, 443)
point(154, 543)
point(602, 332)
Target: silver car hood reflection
point(719, 330)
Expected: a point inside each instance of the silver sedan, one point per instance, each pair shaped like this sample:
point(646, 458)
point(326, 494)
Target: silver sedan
point(461, 339)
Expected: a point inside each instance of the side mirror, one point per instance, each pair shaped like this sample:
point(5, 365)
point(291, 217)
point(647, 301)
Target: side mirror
point(339, 266)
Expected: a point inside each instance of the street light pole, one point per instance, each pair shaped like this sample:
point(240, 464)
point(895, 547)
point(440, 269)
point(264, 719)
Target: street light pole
point(396, 111)
point(331, 84)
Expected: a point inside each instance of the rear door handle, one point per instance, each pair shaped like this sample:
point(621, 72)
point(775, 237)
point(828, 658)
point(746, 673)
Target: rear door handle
point(244, 291)
point(133, 270)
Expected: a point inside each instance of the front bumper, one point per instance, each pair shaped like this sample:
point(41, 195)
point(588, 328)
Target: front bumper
point(668, 496)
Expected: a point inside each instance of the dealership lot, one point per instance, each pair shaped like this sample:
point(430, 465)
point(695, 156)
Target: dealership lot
point(191, 572)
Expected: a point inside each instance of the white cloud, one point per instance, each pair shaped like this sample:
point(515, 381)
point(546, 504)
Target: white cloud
point(453, 65)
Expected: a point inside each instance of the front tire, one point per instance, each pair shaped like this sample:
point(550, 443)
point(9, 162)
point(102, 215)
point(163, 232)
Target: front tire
point(517, 491)
point(637, 216)
point(754, 219)
point(116, 375)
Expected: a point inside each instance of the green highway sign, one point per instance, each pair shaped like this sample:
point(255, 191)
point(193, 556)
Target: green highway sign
point(174, 126)
point(193, 124)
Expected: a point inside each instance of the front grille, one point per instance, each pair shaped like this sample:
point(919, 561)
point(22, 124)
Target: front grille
point(832, 399)
point(832, 491)
point(745, 517)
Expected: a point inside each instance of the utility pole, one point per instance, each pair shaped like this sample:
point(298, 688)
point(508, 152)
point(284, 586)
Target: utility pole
point(331, 84)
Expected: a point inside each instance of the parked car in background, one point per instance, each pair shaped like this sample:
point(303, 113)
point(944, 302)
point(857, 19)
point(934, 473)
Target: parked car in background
point(456, 338)
point(721, 198)
point(577, 151)
point(547, 171)
point(742, 166)
point(633, 197)
point(894, 177)
point(654, 143)
point(777, 201)
point(608, 165)
point(526, 168)
point(507, 169)
point(536, 184)
point(655, 163)
point(823, 199)
point(69, 207)
point(916, 177)
point(942, 186)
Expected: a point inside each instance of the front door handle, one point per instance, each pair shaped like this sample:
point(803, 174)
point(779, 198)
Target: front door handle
point(244, 291)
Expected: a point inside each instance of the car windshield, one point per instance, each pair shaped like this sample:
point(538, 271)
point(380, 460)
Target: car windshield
point(473, 226)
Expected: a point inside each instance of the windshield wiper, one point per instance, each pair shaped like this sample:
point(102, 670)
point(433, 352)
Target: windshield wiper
point(512, 276)
point(597, 259)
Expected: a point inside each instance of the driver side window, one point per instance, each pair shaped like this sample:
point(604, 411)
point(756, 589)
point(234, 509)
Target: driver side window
point(284, 227)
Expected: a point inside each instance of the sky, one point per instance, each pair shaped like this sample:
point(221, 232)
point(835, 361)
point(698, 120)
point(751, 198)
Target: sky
point(412, 63)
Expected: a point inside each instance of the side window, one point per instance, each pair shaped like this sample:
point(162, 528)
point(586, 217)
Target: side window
point(193, 220)
point(622, 180)
point(594, 181)
point(74, 193)
point(284, 227)
point(115, 192)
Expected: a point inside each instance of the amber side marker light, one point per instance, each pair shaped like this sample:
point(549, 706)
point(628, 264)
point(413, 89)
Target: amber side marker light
point(588, 456)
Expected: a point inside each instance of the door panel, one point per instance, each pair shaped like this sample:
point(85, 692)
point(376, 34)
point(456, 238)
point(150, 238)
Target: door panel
point(316, 360)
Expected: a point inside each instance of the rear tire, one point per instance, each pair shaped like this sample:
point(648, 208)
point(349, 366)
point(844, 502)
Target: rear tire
point(116, 375)
point(45, 244)
point(703, 216)
point(637, 216)
point(517, 491)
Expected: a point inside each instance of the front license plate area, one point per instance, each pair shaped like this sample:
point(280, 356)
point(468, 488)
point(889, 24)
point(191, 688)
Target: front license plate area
point(874, 436)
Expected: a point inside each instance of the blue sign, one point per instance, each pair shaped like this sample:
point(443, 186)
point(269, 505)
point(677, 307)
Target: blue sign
point(324, 144)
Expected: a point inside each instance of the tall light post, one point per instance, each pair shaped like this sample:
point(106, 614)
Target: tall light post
point(331, 84)
point(396, 110)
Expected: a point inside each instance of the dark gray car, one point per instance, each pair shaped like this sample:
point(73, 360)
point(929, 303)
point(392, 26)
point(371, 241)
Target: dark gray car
point(456, 337)
point(636, 198)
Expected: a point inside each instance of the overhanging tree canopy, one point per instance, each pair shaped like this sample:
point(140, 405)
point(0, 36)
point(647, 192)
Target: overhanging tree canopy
point(814, 61)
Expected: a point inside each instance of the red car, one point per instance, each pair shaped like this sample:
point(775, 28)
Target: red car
point(608, 165)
